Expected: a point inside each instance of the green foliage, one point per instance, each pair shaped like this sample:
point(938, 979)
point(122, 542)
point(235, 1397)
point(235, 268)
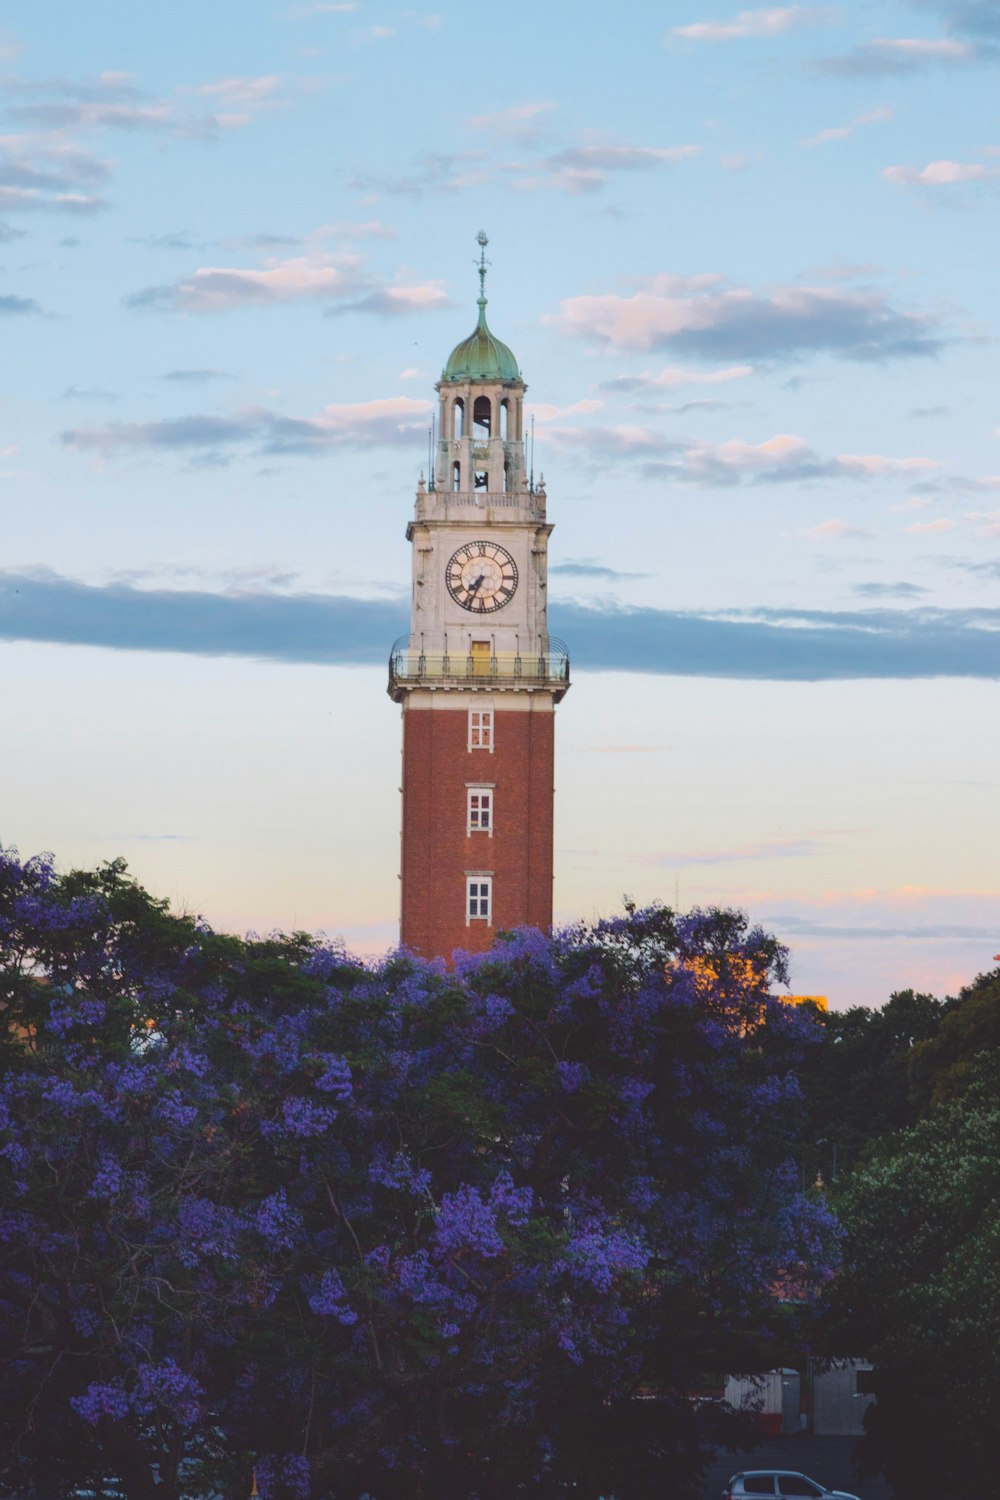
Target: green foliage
point(943, 1065)
point(856, 1085)
point(920, 1295)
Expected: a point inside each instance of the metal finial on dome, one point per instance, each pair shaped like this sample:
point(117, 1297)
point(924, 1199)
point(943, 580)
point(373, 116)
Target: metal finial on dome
point(482, 240)
point(481, 356)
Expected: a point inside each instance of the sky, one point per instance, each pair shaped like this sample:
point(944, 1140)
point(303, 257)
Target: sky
point(746, 259)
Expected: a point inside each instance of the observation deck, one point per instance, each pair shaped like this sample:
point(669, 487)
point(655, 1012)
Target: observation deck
point(410, 667)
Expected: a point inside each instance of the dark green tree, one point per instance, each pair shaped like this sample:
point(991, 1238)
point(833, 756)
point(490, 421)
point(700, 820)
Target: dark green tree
point(944, 1063)
point(856, 1084)
point(920, 1295)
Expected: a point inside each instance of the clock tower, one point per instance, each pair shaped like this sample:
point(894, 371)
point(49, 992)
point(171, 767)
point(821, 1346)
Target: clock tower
point(479, 676)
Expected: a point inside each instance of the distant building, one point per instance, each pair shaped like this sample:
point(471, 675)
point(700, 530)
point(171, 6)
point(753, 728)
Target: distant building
point(772, 1396)
point(841, 1394)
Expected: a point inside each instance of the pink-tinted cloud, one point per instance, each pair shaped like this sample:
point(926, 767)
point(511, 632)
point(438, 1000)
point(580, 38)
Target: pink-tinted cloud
point(586, 168)
point(841, 132)
point(518, 122)
point(940, 174)
point(834, 531)
point(705, 316)
point(338, 280)
point(779, 459)
point(676, 375)
point(773, 20)
point(391, 420)
point(901, 55)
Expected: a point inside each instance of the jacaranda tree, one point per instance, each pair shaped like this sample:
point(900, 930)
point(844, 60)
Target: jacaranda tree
point(395, 1230)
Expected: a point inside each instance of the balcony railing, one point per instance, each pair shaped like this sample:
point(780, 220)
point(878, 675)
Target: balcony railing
point(434, 502)
point(409, 667)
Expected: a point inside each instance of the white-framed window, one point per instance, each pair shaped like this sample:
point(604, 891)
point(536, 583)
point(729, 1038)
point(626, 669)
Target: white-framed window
point(478, 898)
point(479, 810)
point(481, 729)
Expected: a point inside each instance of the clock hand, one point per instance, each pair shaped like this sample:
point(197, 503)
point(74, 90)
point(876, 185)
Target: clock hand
point(481, 579)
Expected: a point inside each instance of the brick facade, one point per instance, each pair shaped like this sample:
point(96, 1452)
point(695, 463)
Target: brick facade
point(438, 851)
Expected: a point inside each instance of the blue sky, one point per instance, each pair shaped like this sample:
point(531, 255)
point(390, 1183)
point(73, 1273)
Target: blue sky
point(747, 260)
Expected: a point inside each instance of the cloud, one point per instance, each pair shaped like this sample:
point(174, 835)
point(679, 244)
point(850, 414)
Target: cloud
point(196, 377)
point(899, 55)
point(795, 926)
point(16, 307)
point(432, 172)
point(990, 569)
point(585, 169)
point(990, 526)
point(390, 421)
point(781, 645)
point(317, 8)
point(786, 457)
point(8, 233)
point(940, 174)
point(217, 288)
point(920, 528)
point(583, 568)
point(703, 316)
point(674, 376)
point(392, 301)
point(888, 590)
point(581, 168)
point(975, 18)
point(88, 393)
point(834, 531)
point(545, 412)
point(963, 484)
point(841, 132)
point(315, 277)
point(49, 171)
point(775, 20)
point(518, 122)
point(764, 850)
point(783, 458)
point(113, 101)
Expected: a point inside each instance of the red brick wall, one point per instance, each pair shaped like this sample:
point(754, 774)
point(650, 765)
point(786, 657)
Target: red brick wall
point(437, 851)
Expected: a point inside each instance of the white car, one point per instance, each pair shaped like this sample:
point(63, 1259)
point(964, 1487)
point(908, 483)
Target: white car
point(779, 1482)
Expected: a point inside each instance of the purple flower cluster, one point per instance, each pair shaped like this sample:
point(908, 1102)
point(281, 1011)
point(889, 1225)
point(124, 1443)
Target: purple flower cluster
point(330, 1300)
point(277, 1221)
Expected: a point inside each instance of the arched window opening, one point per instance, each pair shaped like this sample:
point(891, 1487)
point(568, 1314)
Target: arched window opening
point(456, 478)
point(458, 418)
point(482, 417)
point(482, 480)
point(506, 478)
point(504, 420)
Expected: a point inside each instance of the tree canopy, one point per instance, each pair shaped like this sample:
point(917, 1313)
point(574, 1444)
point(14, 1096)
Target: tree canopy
point(389, 1230)
point(920, 1295)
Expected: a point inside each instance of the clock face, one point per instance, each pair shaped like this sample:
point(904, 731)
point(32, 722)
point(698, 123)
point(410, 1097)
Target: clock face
point(482, 577)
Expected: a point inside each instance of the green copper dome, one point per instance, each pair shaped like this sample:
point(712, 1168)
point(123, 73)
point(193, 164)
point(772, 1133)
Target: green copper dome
point(481, 356)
